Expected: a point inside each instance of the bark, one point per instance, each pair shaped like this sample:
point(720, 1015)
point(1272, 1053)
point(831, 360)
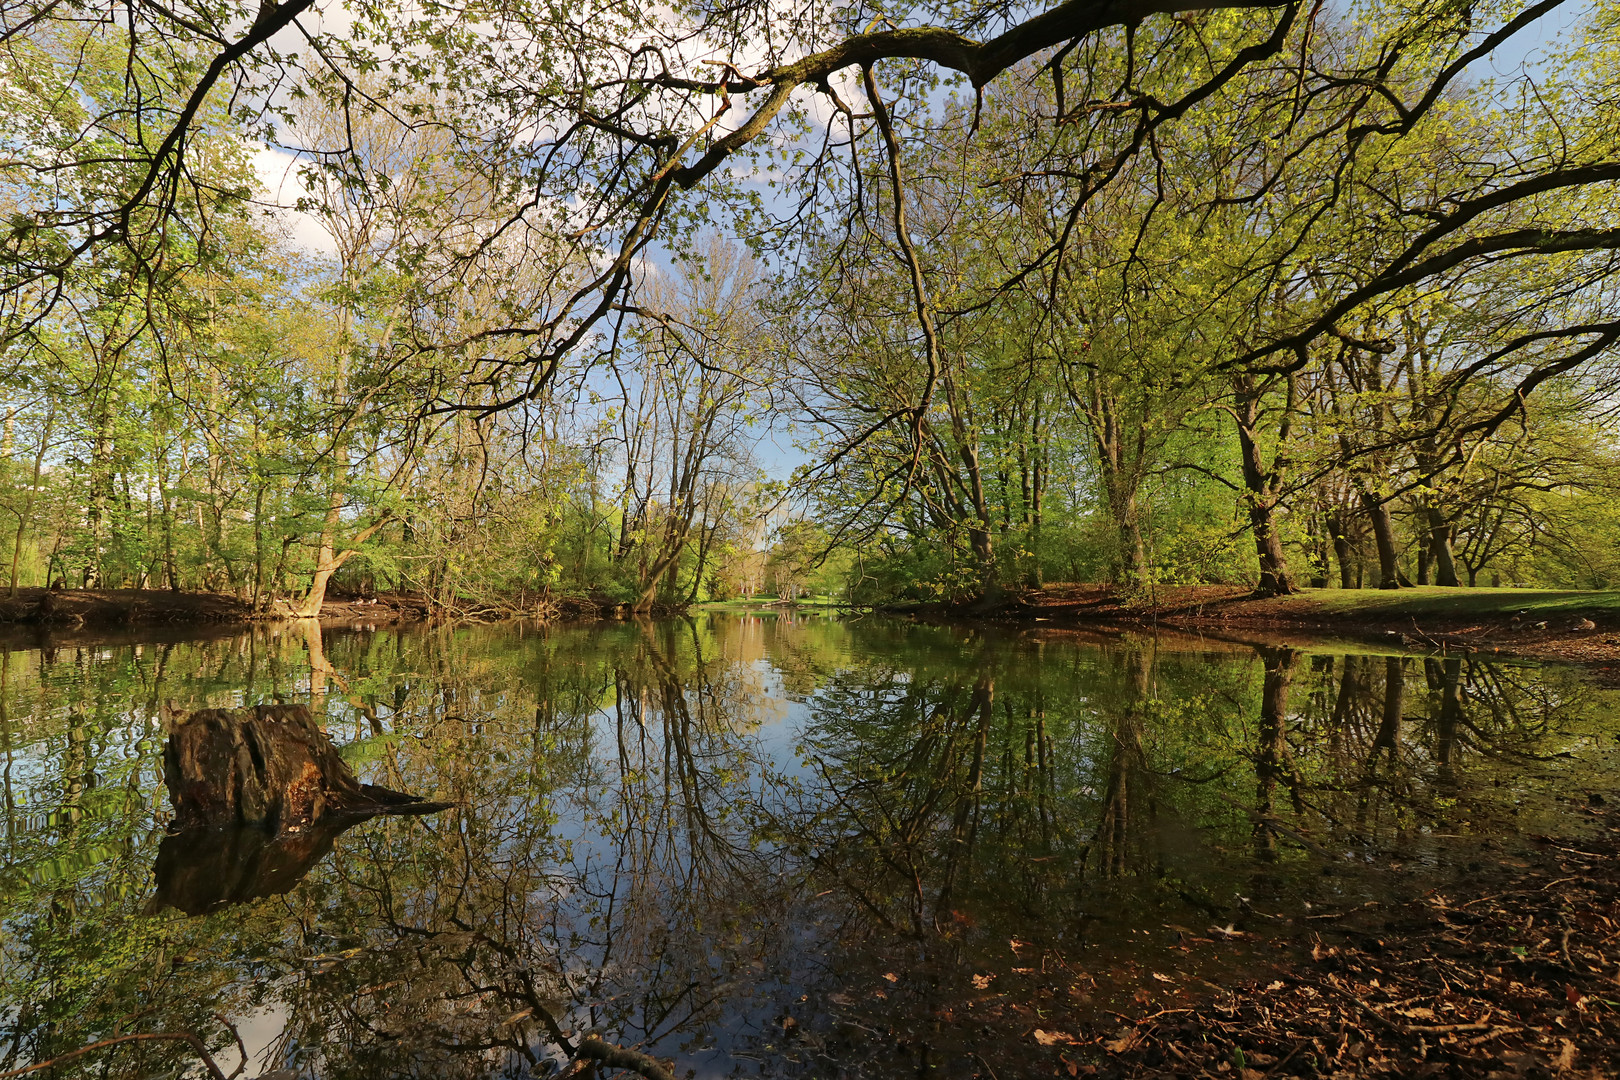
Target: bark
point(259, 796)
point(1321, 561)
point(1383, 528)
point(1261, 482)
point(676, 532)
point(1037, 497)
point(33, 492)
point(1445, 563)
point(101, 492)
point(1118, 476)
point(329, 560)
point(268, 767)
point(1343, 552)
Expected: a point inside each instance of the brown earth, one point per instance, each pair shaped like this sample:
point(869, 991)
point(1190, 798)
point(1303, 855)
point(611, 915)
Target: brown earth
point(1519, 978)
point(120, 607)
point(103, 613)
point(1237, 614)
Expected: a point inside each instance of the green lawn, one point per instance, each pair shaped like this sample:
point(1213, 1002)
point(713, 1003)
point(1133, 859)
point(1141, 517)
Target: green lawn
point(1462, 603)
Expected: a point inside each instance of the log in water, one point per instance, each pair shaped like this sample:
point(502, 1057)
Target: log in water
point(259, 796)
point(269, 766)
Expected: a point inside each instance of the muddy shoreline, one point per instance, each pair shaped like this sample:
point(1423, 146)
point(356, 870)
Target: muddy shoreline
point(1197, 613)
point(1515, 978)
point(1589, 637)
point(67, 617)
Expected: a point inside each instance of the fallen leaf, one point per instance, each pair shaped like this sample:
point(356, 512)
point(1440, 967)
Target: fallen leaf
point(982, 982)
point(1055, 1038)
point(1125, 1040)
point(892, 977)
point(1278, 985)
point(1566, 1056)
point(1164, 978)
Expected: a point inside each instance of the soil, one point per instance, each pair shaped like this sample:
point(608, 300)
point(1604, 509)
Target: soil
point(1237, 614)
point(101, 613)
point(1516, 978)
point(120, 607)
point(383, 609)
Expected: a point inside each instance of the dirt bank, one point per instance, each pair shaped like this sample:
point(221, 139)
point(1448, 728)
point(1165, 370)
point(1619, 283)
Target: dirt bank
point(109, 610)
point(1513, 978)
point(77, 616)
point(120, 607)
point(1582, 627)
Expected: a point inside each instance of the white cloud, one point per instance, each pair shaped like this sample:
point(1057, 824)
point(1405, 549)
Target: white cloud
point(278, 173)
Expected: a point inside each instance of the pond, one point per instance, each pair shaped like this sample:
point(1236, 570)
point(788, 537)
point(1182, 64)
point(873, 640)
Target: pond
point(742, 844)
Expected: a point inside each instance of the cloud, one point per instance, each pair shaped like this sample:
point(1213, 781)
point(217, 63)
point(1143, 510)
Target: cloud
point(278, 173)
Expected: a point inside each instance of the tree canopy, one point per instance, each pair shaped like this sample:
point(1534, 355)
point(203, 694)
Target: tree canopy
point(1263, 293)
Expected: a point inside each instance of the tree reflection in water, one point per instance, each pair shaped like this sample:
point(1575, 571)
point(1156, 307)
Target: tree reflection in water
point(710, 839)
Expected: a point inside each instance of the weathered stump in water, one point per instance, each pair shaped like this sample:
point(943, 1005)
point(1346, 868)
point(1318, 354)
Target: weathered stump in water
point(259, 796)
point(269, 766)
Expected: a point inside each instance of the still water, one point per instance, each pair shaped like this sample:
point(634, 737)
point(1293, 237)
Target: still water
point(774, 844)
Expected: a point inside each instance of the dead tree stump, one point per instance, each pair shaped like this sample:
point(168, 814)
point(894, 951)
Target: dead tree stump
point(269, 767)
point(259, 797)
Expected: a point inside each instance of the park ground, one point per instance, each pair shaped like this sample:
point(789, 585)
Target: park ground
point(1548, 624)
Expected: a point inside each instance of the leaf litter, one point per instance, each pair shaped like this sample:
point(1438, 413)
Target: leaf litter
point(1522, 981)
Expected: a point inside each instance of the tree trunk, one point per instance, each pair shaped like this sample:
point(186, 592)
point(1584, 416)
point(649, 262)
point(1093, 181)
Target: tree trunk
point(1119, 487)
point(259, 795)
point(101, 492)
point(33, 492)
point(1274, 579)
point(326, 560)
point(1389, 574)
point(1037, 496)
point(1321, 561)
point(1343, 552)
point(1260, 494)
point(1132, 568)
point(269, 767)
point(1445, 563)
point(329, 560)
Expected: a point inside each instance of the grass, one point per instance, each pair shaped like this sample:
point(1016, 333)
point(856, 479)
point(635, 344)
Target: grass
point(1432, 600)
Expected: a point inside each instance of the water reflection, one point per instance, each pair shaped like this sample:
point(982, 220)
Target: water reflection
point(714, 840)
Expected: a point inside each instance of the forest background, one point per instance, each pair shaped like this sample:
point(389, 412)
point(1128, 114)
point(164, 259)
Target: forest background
point(1266, 295)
